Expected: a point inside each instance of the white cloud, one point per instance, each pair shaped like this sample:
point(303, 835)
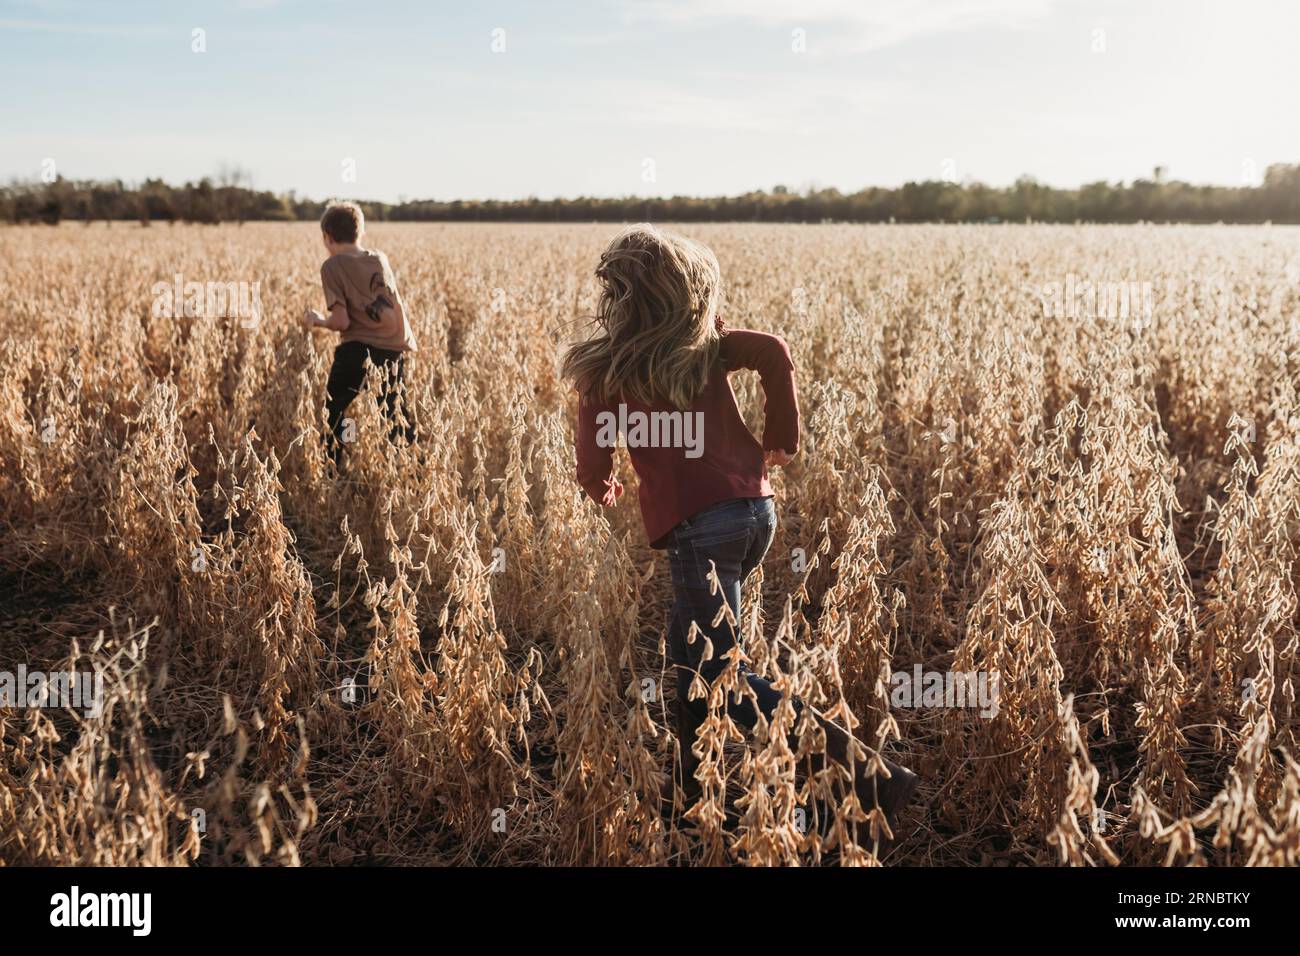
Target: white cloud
point(80, 29)
point(739, 102)
point(862, 24)
point(769, 104)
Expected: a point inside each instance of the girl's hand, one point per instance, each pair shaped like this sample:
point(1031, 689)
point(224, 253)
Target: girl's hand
point(311, 319)
point(613, 489)
point(777, 457)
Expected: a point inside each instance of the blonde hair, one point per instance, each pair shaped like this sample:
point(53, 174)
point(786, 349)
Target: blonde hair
point(656, 338)
point(343, 221)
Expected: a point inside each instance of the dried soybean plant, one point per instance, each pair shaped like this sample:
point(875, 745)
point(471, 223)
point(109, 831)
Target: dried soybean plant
point(448, 655)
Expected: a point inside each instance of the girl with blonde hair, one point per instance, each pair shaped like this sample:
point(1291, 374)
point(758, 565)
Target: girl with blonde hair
point(656, 372)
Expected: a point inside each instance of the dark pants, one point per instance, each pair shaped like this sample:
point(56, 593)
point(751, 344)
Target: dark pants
point(346, 376)
point(734, 536)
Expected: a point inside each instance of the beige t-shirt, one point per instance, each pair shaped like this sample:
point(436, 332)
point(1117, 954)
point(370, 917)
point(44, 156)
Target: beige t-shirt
point(364, 283)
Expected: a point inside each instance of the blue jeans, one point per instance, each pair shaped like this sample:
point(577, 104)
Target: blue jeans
point(734, 536)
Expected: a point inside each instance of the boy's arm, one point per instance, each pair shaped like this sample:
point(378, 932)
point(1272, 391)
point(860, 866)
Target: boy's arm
point(595, 450)
point(390, 279)
point(770, 357)
point(337, 319)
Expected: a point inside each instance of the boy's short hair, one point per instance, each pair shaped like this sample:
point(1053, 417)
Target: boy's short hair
point(343, 221)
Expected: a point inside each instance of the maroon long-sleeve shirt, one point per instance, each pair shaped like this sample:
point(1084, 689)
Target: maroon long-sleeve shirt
point(689, 460)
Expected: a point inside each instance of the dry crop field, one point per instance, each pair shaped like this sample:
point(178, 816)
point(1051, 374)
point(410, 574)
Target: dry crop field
point(996, 478)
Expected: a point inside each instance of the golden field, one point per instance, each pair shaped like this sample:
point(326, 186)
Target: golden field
point(1100, 509)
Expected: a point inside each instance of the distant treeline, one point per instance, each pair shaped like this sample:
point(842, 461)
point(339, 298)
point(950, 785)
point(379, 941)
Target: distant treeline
point(1275, 199)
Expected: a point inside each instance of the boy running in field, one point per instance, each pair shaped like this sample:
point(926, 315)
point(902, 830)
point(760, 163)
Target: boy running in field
point(362, 302)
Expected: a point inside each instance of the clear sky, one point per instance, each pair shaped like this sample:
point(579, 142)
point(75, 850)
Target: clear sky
point(489, 99)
